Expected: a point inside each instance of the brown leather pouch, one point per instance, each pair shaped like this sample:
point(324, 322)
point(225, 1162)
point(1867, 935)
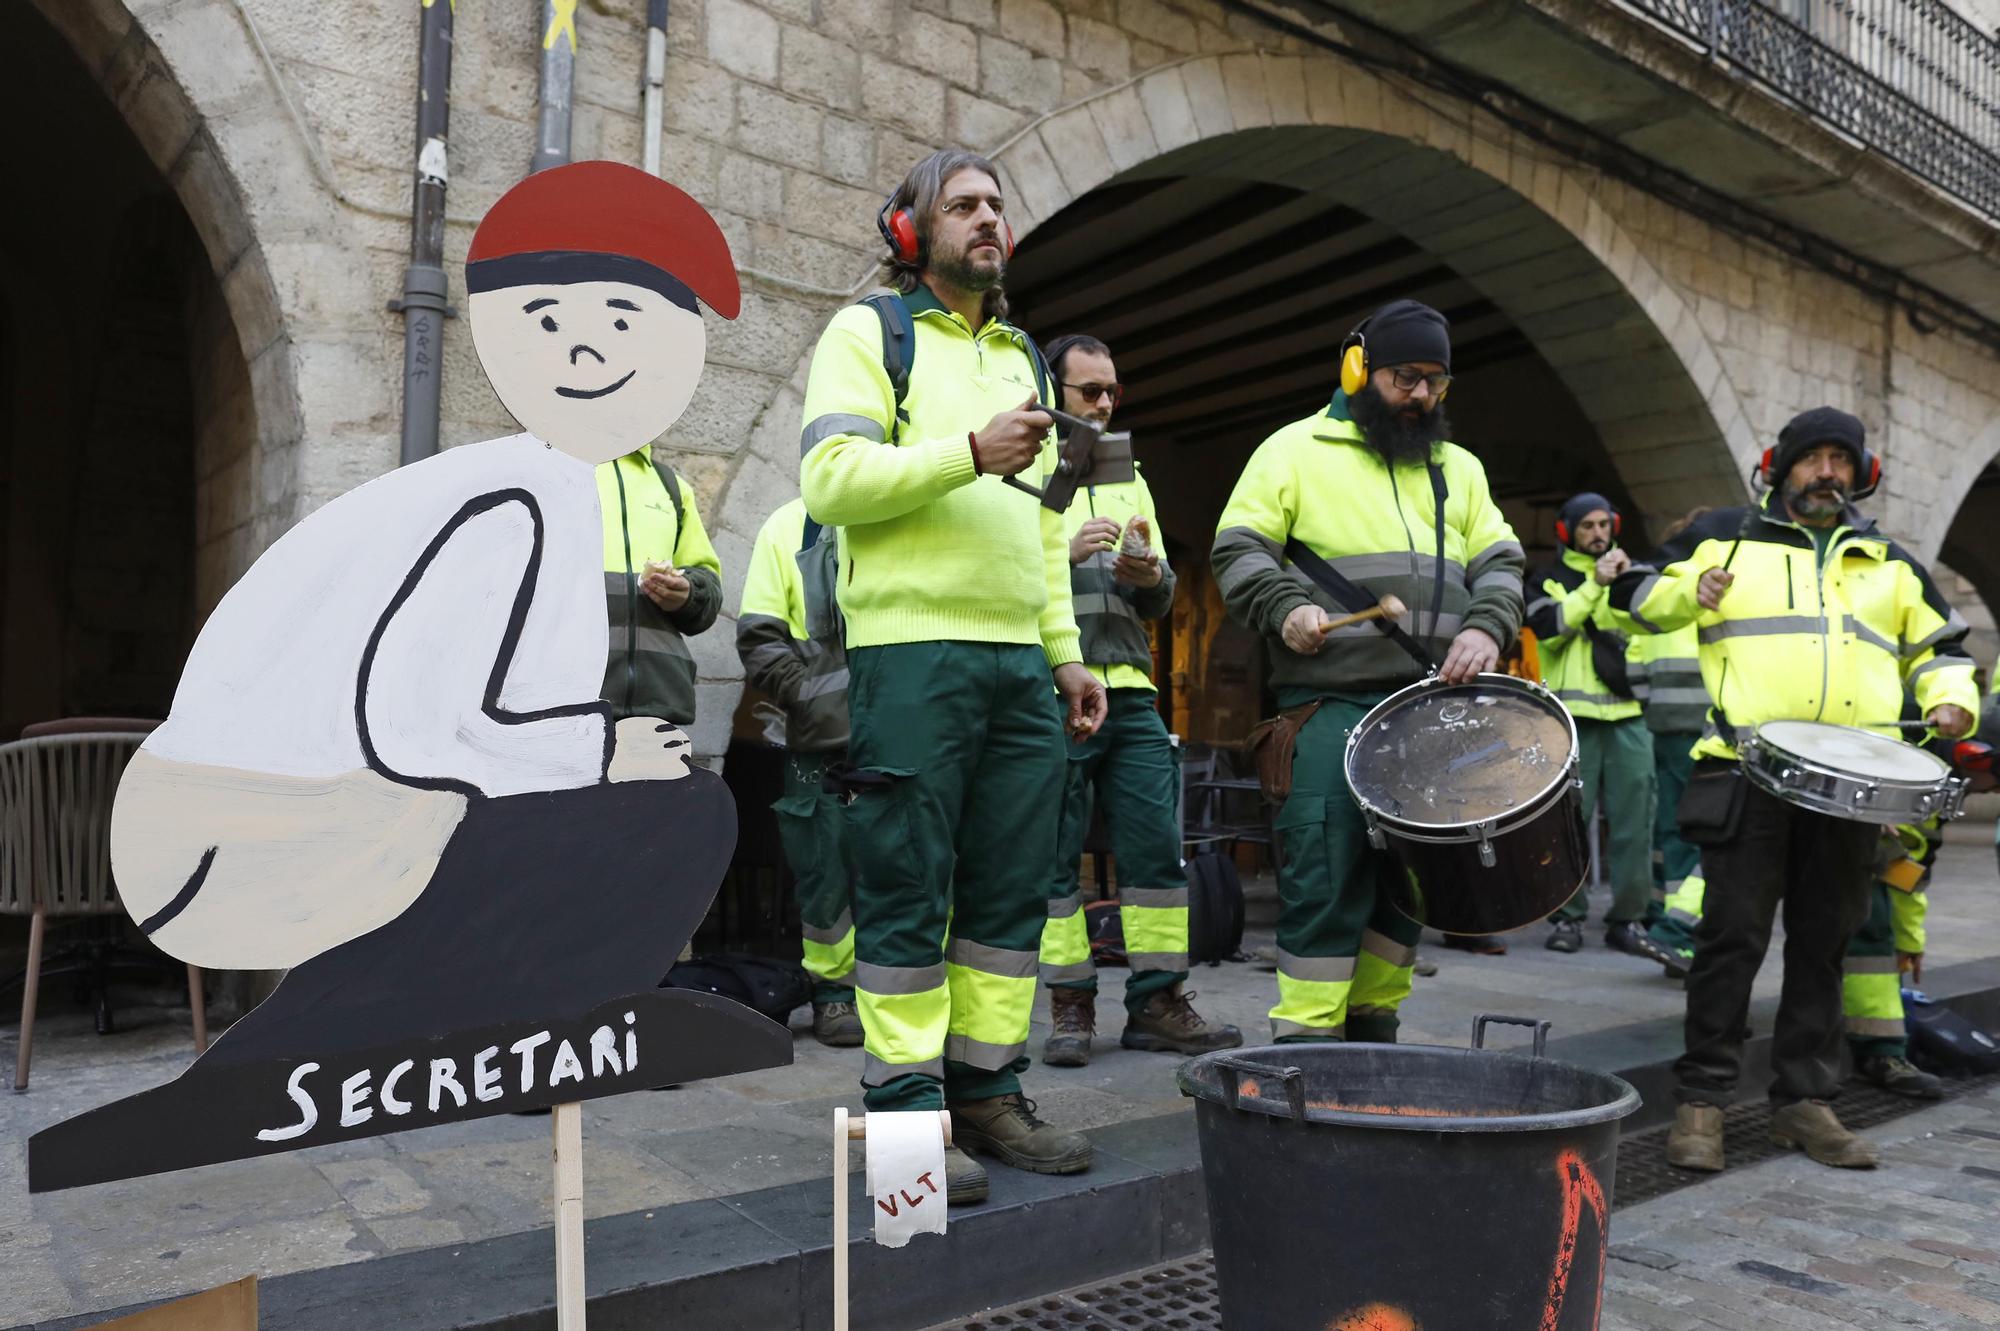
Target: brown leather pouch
point(1273, 743)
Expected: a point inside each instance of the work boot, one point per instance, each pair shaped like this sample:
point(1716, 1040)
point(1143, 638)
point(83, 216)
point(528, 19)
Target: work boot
point(1006, 1127)
point(1072, 1021)
point(1168, 1024)
point(1423, 965)
point(964, 1178)
point(1809, 1125)
point(1631, 937)
point(1900, 1076)
point(1485, 945)
point(1567, 936)
point(837, 1025)
point(1695, 1141)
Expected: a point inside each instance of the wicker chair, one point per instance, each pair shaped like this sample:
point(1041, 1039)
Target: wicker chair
point(55, 861)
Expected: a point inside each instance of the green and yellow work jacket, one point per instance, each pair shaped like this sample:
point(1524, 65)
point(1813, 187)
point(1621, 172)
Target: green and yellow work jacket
point(930, 551)
point(804, 675)
point(1570, 613)
point(1317, 481)
point(1110, 618)
point(649, 671)
point(1802, 635)
point(1665, 672)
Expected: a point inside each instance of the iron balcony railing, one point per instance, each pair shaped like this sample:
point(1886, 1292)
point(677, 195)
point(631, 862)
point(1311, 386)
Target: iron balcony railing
point(1912, 79)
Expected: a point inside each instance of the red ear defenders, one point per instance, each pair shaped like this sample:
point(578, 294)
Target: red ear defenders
point(1563, 532)
point(1867, 476)
point(899, 232)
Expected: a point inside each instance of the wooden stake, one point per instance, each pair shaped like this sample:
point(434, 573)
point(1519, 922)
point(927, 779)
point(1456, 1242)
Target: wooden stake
point(567, 1121)
point(847, 1129)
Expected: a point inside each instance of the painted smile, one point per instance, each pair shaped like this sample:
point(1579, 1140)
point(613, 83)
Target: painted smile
point(596, 392)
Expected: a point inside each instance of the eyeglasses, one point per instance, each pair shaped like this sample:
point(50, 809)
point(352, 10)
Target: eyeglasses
point(1092, 392)
point(1407, 379)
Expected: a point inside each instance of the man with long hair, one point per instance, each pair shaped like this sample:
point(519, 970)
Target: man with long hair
point(962, 654)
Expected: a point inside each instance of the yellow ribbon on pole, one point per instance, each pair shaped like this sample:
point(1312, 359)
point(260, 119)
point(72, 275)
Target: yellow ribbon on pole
point(562, 21)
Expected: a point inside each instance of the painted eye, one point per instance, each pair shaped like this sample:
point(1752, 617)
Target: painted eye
point(549, 323)
point(620, 325)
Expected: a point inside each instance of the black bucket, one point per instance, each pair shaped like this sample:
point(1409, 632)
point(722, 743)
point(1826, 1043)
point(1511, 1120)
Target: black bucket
point(1374, 1187)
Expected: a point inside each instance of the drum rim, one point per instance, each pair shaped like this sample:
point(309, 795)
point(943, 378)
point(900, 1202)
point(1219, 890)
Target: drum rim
point(1760, 745)
point(1477, 829)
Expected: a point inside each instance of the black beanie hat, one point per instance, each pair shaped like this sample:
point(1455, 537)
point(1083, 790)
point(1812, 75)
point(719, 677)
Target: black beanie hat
point(1820, 425)
point(1403, 332)
point(1578, 507)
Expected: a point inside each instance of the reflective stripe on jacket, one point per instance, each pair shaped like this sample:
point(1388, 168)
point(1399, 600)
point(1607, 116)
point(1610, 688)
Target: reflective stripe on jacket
point(930, 551)
point(1665, 670)
point(649, 670)
point(1795, 641)
point(807, 678)
point(1318, 481)
point(1565, 599)
point(1110, 619)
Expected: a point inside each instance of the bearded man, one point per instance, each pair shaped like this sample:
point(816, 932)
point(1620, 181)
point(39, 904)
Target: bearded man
point(1370, 487)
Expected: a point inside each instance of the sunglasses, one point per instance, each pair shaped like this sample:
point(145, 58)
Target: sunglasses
point(1406, 380)
point(1092, 392)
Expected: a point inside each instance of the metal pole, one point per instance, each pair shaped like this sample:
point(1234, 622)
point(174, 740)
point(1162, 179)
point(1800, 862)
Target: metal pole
point(423, 304)
point(558, 39)
point(656, 80)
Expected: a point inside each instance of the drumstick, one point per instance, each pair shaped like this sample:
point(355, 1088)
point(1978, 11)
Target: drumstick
point(1389, 605)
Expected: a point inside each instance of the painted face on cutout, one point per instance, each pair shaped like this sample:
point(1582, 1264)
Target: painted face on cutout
point(597, 369)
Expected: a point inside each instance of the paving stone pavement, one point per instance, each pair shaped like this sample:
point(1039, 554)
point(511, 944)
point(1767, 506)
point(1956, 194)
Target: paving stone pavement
point(116, 1244)
point(1790, 1245)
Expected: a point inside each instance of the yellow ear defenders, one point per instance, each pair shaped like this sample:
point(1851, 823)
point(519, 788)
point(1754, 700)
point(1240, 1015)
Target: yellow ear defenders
point(1354, 363)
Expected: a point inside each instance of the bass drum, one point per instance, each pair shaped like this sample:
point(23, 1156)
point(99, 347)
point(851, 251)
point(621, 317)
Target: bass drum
point(1474, 789)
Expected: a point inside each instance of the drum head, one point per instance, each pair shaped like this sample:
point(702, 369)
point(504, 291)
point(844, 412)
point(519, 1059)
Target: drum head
point(1450, 754)
point(1857, 752)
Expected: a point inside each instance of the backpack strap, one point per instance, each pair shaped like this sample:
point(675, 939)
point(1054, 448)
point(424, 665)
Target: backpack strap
point(1041, 370)
point(899, 349)
point(673, 484)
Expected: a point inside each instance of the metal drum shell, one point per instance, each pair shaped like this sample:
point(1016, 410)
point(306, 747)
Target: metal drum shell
point(1539, 852)
point(1822, 788)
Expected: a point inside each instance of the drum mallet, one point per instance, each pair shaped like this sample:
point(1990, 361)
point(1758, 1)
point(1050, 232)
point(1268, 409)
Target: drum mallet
point(1391, 606)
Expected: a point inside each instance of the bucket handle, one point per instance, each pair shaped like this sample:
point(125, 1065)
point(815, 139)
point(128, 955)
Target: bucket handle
point(1541, 1029)
point(1231, 1070)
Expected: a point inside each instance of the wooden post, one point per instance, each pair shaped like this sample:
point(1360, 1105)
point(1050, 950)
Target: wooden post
point(567, 1121)
point(847, 1129)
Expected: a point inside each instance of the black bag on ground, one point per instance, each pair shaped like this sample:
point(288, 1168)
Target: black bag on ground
point(1215, 908)
point(1711, 807)
point(1106, 928)
point(772, 987)
point(1944, 1042)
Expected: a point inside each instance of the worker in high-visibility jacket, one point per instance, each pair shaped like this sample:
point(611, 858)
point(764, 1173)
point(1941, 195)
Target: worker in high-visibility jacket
point(1583, 663)
point(1119, 580)
point(962, 658)
point(1888, 945)
point(1804, 611)
point(1361, 485)
point(787, 594)
point(1665, 671)
point(662, 585)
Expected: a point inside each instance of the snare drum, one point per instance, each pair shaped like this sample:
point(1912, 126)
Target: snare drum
point(1851, 773)
point(1474, 788)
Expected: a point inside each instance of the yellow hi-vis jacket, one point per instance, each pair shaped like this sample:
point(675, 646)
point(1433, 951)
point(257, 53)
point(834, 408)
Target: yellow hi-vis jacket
point(1112, 618)
point(807, 676)
point(1566, 599)
point(1665, 670)
point(1318, 481)
point(649, 670)
point(1795, 639)
point(930, 551)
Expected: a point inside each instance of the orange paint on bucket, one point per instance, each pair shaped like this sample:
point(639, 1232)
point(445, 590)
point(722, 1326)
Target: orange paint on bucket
point(1375, 1317)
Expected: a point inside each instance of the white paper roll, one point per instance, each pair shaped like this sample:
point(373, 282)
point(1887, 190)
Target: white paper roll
point(906, 1175)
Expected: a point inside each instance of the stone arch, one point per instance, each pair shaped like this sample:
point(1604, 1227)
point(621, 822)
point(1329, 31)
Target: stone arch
point(1969, 505)
point(202, 98)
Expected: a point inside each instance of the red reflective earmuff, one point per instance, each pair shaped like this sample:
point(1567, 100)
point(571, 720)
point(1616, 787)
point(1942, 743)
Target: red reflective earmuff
point(1869, 476)
point(899, 233)
point(1617, 528)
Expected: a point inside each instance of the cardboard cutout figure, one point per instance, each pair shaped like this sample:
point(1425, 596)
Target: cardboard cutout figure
point(387, 766)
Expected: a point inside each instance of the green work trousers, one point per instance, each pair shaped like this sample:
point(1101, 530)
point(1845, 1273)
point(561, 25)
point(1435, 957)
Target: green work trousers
point(1344, 952)
point(956, 748)
point(1672, 926)
point(1871, 989)
point(809, 819)
point(1617, 770)
point(1129, 770)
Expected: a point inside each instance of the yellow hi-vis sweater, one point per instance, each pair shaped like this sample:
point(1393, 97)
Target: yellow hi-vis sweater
point(930, 551)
